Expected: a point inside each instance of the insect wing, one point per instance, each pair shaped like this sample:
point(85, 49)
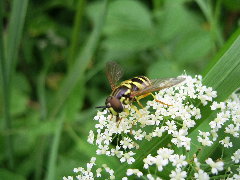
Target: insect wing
point(114, 72)
point(158, 84)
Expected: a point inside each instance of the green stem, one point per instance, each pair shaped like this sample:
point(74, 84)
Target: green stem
point(76, 32)
point(6, 97)
point(207, 10)
point(43, 115)
point(17, 18)
point(54, 150)
point(8, 55)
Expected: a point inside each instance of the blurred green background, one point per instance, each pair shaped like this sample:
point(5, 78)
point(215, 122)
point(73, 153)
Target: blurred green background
point(53, 54)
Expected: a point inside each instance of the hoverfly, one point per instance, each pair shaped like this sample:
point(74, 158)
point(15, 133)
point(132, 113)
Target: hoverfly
point(133, 89)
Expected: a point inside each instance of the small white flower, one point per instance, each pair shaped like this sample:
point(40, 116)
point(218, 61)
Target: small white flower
point(160, 162)
point(139, 134)
point(201, 175)
point(109, 171)
point(203, 138)
point(215, 105)
point(178, 161)
point(171, 127)
point(236, 156)
point(90, 137)
point(231, 129)
point(117, 152)
point(216, 166)
point(165, 153)
point(214, 135)
point(127, 157)
point(178, 174)
point(197, 163)
point(226, 142)
point(134, 171)
point(148, 161)
point(159, 131)
point(68, 178)
point(127, 143)
point(150, 177)
point(98, 172)
point(218, 122)
point(180, 139)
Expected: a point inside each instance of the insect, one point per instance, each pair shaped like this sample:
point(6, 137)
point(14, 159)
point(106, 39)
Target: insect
point(133, 89)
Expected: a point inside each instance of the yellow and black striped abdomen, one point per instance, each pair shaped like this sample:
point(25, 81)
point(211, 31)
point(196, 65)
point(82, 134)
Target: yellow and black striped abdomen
point(138, 83)
point(123, 91)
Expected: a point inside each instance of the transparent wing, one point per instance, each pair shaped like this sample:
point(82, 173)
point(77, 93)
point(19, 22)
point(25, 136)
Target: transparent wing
point(158, 84)
point(114, 72)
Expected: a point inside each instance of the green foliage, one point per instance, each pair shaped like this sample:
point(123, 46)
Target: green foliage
point(52, 70)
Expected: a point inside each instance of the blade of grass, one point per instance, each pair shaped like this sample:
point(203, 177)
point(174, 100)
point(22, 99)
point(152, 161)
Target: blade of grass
point(224, 76)
point(6, 112)
point(54, 150)
point(76, 32)
point(41, 146)
point(77, 71)
point(222, 51)
point(17, 18)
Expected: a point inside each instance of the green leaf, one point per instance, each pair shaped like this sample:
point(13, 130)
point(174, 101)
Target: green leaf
point(128, 29)
point(17, 19)
point(162, 69)
point(193, 46)
point(175, 20)
point(224, 76)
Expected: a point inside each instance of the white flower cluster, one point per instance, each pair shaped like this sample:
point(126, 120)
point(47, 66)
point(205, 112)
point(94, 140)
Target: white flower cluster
point(228, 118)
point(181, 117)
point(156, 121)
point(89, 173)
point(165, 156)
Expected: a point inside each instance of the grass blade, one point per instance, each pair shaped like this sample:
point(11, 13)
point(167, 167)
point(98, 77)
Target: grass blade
point(54, 150)
point(17, 18)
point(5, 91)
point(76, 32)
point(224, 76)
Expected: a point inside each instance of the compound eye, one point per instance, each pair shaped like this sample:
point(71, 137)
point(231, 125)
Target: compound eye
point(116, 104)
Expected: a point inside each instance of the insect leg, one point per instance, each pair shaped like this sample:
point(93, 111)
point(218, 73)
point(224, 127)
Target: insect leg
point(118, 119)
point(160, 101)
point(141, 97)
point(137, 111)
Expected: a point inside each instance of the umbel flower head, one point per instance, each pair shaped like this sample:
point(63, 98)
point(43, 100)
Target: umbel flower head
point(183, 153)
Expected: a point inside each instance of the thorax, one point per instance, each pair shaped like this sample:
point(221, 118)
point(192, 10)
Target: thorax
point(123, 91)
